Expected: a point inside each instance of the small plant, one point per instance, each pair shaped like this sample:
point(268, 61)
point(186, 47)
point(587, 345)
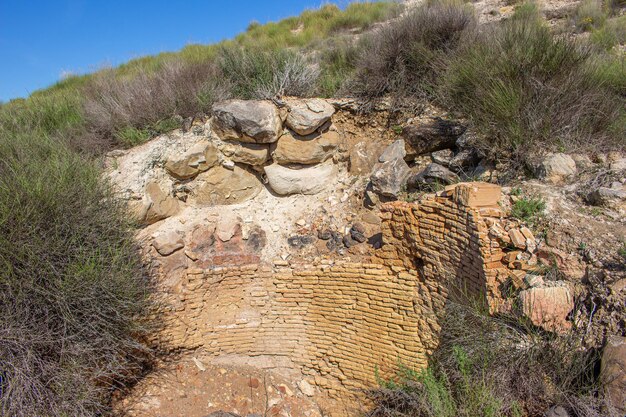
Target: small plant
point(589, 15)
point(528, 209)
point(622, 251)
point(517, 191)
point(397, 129)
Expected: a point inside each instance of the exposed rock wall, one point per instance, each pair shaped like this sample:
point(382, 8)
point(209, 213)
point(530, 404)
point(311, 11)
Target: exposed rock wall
point(337, 321)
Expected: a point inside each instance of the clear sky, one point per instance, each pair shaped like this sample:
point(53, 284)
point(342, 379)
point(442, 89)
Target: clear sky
point(40, 40)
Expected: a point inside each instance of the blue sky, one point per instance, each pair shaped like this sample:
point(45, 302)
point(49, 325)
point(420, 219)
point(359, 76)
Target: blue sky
point(40, 40)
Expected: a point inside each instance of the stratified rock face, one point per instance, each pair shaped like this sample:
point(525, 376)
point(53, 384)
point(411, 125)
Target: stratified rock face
point(246, 153)
point(306, 180)
point(547, 307)
point(292, 148)
point(220, 185)
point(556, 167)
point(306, 116)
point(200, 157)
point(254, 121)
point(614, 371)
point(159, 204)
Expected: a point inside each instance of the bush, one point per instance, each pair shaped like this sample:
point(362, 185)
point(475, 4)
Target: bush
point(72, 291)
point(495, 366)
point(406, 58)
point(256, 74)
point(122, 107)
point(590, 14)
point(612, 33)
point(337, 63)
point(528, 209)
point(529, 91)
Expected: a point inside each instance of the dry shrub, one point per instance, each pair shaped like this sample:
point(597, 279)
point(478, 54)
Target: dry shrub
point(495, 366)
point(115, 103)
point(258, 74)
point(405, 57)
point(73, 294)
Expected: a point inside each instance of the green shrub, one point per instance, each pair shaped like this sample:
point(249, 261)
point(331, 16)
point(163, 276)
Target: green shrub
point(528, 209)
point(72, 291)
point(528, 90)
point(494, 366)
point(337, 63)
point(590, 14)
point(612, 33)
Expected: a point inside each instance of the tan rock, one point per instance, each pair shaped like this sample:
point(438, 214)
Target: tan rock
point(307, 180)
point(160, 205)
point(613, 371)
point(517, 238)
point(168, 243)
point(227, 226)
point(476, 194)
point(547, 307)
point(307, 115)
point(220, 185)
point(246, 153)
point(312, 149)
point(567, 264)
point(200, 157)
point(254, 121)
point(556, 167)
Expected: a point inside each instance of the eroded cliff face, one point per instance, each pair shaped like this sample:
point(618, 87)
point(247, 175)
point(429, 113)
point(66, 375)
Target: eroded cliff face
point(286, 281)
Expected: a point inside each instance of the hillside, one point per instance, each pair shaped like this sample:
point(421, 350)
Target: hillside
point(411, 208)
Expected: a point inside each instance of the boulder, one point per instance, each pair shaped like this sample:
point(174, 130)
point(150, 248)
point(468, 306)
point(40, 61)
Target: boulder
point(463, 160)
point(168, 243)
point(613, 371)
point(307, 115)
point(618, 165)
point(475, 194)
point(246, 153)
point(613, 197)
point(311, 149)
point(200, 157)
point(433, 135)
point(556, 167)
point(394, 151)
point(306, 180)
point(547, 307)
point(433, 174)
point(389, 178)
point(442, 157)
point(254, 121)
point(220, 185)
point(159, 204)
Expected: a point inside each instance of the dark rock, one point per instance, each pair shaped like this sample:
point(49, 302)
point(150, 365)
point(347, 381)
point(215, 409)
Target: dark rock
point(357, 232)
point(434, 135)
point(464, 159)
point(376, 240)
point(433, 174)
point(300, 241)
point(324, 234)
point(349, 242)
point(358, 227)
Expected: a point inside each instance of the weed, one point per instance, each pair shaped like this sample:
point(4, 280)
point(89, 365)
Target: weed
point(528, 209)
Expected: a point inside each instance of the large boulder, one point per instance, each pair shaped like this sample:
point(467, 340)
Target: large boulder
point(246, 153)
point(433, 135)
point(253, 121)
point(394, 151)
point(307, 115)
point(311, 149)
point(306, 180)
point(188, 164)
point(548, 307)
point(158, 204)
point(613, 371)
point(613, 197)
point(556, 167)
point(220, 186)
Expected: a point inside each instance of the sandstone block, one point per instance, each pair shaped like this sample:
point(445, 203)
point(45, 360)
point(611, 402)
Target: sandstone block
point(220, 185)
point(307, 115)
point(255, 121)
point(476, 194)
point(168, 243)
point(246, 153)
point(159, 204)
point(311, 149)
point(306, 180)
point(200, 157)
point(547, 307)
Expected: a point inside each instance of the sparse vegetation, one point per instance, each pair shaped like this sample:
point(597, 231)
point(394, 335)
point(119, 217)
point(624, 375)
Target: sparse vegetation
point(528, 209)
point(494, 366)
point(590, 14)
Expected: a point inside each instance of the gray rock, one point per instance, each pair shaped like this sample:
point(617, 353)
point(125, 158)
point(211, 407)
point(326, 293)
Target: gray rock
point(556, 167)
point(254, 121)
point(390, 177)
point(463, 160)
point(442, 157)
point(307, 180)
point(604, 196)
point(349, 242)
point(557, 411)
point(618, 165)
point(307, 115)
point(394, 151)
point(433, 174)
